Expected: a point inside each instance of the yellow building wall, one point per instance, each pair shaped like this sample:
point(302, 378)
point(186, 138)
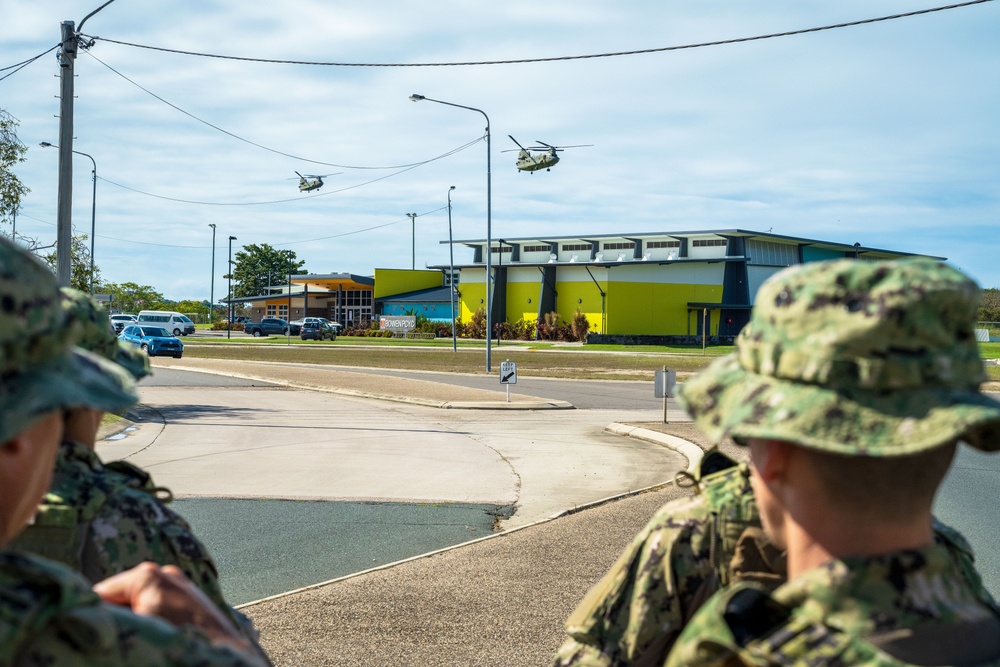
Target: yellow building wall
point(657, 308)
point(389, 282)
point(580, 295)
point(472, 293)
point(518, 306)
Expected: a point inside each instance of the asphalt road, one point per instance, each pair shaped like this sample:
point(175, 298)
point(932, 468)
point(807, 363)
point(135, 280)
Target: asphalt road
point(966, 501)
point(290, 488)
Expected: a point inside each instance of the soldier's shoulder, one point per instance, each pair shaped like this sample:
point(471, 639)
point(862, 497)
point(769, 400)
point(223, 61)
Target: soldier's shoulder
point(50, 616)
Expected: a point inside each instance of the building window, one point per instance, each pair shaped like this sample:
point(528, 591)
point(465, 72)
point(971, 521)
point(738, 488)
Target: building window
point(283, 311)
point(704, 243)
point(537, 248)
point(768, 253)
point(505, 248)
point(663, 244)
point(271, 311)
point(570, 247)
point(618, 246)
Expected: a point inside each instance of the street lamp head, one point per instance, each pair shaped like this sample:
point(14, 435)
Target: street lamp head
point(452, 187)
point(417, 98)
point(232, 238)
point(212, 225)
point(46, 144)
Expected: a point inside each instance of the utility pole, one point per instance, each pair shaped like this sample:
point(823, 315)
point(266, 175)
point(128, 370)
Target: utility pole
point(413, 246)
point(64, 207)
point(211, 290)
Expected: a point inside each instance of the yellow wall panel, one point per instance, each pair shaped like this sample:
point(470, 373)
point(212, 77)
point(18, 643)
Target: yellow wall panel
point(655, 308)
point(390, 282)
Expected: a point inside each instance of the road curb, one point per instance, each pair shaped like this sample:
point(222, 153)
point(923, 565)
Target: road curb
point(412, 400)
point(690, 451)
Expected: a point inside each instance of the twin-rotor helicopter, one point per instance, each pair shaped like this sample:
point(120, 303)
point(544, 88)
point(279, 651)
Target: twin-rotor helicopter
point(310, 182)
point(529, 159)
point(545, 156)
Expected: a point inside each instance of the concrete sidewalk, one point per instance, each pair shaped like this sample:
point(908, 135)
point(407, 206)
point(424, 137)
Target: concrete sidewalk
point(500, 600)
point(365, 385)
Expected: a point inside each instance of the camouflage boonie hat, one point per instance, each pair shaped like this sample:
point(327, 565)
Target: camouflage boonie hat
point(856, 358)
point(40, 369)
point(96, 334)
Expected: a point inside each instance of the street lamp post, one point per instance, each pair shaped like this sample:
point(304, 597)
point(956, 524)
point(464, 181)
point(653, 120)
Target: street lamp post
point(503, 309)
point(211, 290)
point(489, 221)
point(229, 325)
point(93, 210)
point(413, 246)
point(451, 276)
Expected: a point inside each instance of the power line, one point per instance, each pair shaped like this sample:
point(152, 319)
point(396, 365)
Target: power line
point(253, 143)
point(699, 45)
point(292, 199)
point(24, 63)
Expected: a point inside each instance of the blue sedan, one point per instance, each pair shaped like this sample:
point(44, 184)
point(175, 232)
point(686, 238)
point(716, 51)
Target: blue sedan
point(154, 341)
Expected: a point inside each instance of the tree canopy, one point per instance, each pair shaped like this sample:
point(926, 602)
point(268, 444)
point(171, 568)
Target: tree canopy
point(79, 277)
point(255, 265)
point(11, 152)
point(989, 307)
point(131, 297)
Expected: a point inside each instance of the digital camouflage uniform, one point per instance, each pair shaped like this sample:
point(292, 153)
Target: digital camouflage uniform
point(104, 518)
point(690, 549)
point(48, 614)
point(861, 359)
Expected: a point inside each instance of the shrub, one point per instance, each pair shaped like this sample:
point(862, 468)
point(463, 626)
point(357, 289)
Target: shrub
point(580, 325)
point(476, 328)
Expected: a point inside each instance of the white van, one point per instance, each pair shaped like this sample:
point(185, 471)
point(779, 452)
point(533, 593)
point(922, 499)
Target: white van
point(175, 323)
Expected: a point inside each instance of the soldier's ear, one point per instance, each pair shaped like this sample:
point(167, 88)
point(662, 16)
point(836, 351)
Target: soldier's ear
point(771, 459)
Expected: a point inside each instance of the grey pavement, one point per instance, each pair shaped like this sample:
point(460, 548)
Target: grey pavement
point(498, 600)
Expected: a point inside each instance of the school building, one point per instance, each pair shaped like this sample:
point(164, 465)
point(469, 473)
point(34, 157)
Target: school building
point(651, 284)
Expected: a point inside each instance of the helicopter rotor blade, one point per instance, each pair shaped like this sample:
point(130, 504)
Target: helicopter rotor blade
point(517, 142)
point(559, 148)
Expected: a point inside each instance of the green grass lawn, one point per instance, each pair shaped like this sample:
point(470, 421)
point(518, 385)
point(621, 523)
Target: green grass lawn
point(540, 359)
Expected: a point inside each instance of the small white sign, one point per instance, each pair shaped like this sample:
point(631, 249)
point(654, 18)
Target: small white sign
point(508, 372)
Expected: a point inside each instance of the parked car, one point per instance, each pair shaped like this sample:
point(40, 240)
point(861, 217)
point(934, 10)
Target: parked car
point(315, 328)
point(171, 320)
point(335, 325)
point(121, 320)
point(241, 319)
point(154, 341)
point(269, 326)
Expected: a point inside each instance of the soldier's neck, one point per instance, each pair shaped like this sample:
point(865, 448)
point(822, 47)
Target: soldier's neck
point(812, 545)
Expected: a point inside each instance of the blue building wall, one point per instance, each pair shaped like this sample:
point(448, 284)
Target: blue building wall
point(813, 254)
point(435, 312)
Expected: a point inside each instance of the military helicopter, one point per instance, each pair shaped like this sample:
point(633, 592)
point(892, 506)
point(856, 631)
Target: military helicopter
point(546, 159)
point(310, 182)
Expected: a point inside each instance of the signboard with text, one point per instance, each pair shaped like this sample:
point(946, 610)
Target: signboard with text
point(508, 372)
point(400, 323)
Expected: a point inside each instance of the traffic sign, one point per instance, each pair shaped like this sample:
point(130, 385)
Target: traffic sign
point(508, 372)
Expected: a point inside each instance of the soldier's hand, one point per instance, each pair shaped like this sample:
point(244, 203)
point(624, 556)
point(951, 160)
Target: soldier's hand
point(151, 590)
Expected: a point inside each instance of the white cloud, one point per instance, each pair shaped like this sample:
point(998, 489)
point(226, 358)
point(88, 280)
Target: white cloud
point(882, 133)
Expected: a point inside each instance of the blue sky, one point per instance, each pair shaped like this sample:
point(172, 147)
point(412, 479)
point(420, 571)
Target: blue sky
point(883, 134)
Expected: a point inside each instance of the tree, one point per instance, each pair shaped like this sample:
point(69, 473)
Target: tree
point(11, 152)
point(189, 306)
point(989, 308)
point(255, 264)
point(79, 265)
point(131, 298)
